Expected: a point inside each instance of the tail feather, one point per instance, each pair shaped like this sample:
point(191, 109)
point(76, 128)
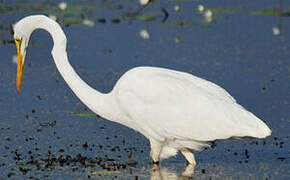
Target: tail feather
point(262, 129)
point(255, 127)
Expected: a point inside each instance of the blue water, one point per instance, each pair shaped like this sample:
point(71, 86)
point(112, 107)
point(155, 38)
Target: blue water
point(237, 49)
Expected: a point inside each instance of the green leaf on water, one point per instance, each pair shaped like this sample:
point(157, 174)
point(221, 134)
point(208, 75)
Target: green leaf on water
point(226, 9)
point(71, 20)
point(180, 23)
point(82, 114)
point(144, 17)
point(75, 9)
point(202, 23)
point(147, 17)
point(274, 12)
point(267, 12)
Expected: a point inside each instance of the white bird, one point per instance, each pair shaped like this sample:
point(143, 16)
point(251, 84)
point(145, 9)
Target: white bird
point(144, 2)
point(176, 111)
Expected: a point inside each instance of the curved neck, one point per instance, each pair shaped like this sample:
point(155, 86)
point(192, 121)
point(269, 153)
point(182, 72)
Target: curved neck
point(96, 101)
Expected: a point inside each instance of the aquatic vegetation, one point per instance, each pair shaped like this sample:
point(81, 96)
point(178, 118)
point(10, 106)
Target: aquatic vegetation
point(275, 12)
point(225, 9)
point(43, 142)
point(82, 114)
point(144, 17)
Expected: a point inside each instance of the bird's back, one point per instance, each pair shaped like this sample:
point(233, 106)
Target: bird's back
point(167, 104)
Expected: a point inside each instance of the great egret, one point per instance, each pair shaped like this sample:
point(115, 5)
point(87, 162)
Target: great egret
point(176, 111)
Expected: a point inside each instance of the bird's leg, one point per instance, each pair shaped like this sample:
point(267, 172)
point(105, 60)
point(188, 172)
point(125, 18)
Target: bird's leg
point(155, 150)
point(155, 172)
point(189, 171)
point(189, 156)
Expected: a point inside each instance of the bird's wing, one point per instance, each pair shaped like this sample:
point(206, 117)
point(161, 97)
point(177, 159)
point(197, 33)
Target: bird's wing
point(173, 105)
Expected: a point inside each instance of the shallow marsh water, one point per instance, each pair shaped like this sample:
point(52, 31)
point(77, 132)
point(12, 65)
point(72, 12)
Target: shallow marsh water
point(45, 131)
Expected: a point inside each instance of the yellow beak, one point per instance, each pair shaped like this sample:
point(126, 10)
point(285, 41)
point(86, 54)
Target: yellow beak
point(19, 64)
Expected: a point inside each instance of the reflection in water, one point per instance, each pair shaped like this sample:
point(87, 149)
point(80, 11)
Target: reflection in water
point(159, 173)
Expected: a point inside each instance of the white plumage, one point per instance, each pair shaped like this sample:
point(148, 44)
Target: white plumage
point(176, 111)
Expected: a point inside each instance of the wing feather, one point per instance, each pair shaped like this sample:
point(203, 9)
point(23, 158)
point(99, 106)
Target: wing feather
point(167, 104)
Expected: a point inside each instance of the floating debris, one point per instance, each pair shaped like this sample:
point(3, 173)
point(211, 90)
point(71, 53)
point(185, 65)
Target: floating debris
point(166, 15)
point(144, 34)
point(102, 20)
point(177, 39)
point(208, 15)
point(85, 145)
point(281, 158)
point(51, 124)
point(38, 97)
point(116, 20)
point(276, 31)
point(88, 22)
point(176, 8)
point(200, 8)
point(62, 6)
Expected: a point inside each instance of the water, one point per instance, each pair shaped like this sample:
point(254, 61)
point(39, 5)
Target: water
point(47, 132)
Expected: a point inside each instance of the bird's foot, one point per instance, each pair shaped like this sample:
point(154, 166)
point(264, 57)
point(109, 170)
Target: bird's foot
point(155, 162)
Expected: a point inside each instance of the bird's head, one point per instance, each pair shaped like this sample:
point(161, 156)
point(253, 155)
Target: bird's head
point(21, 34)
